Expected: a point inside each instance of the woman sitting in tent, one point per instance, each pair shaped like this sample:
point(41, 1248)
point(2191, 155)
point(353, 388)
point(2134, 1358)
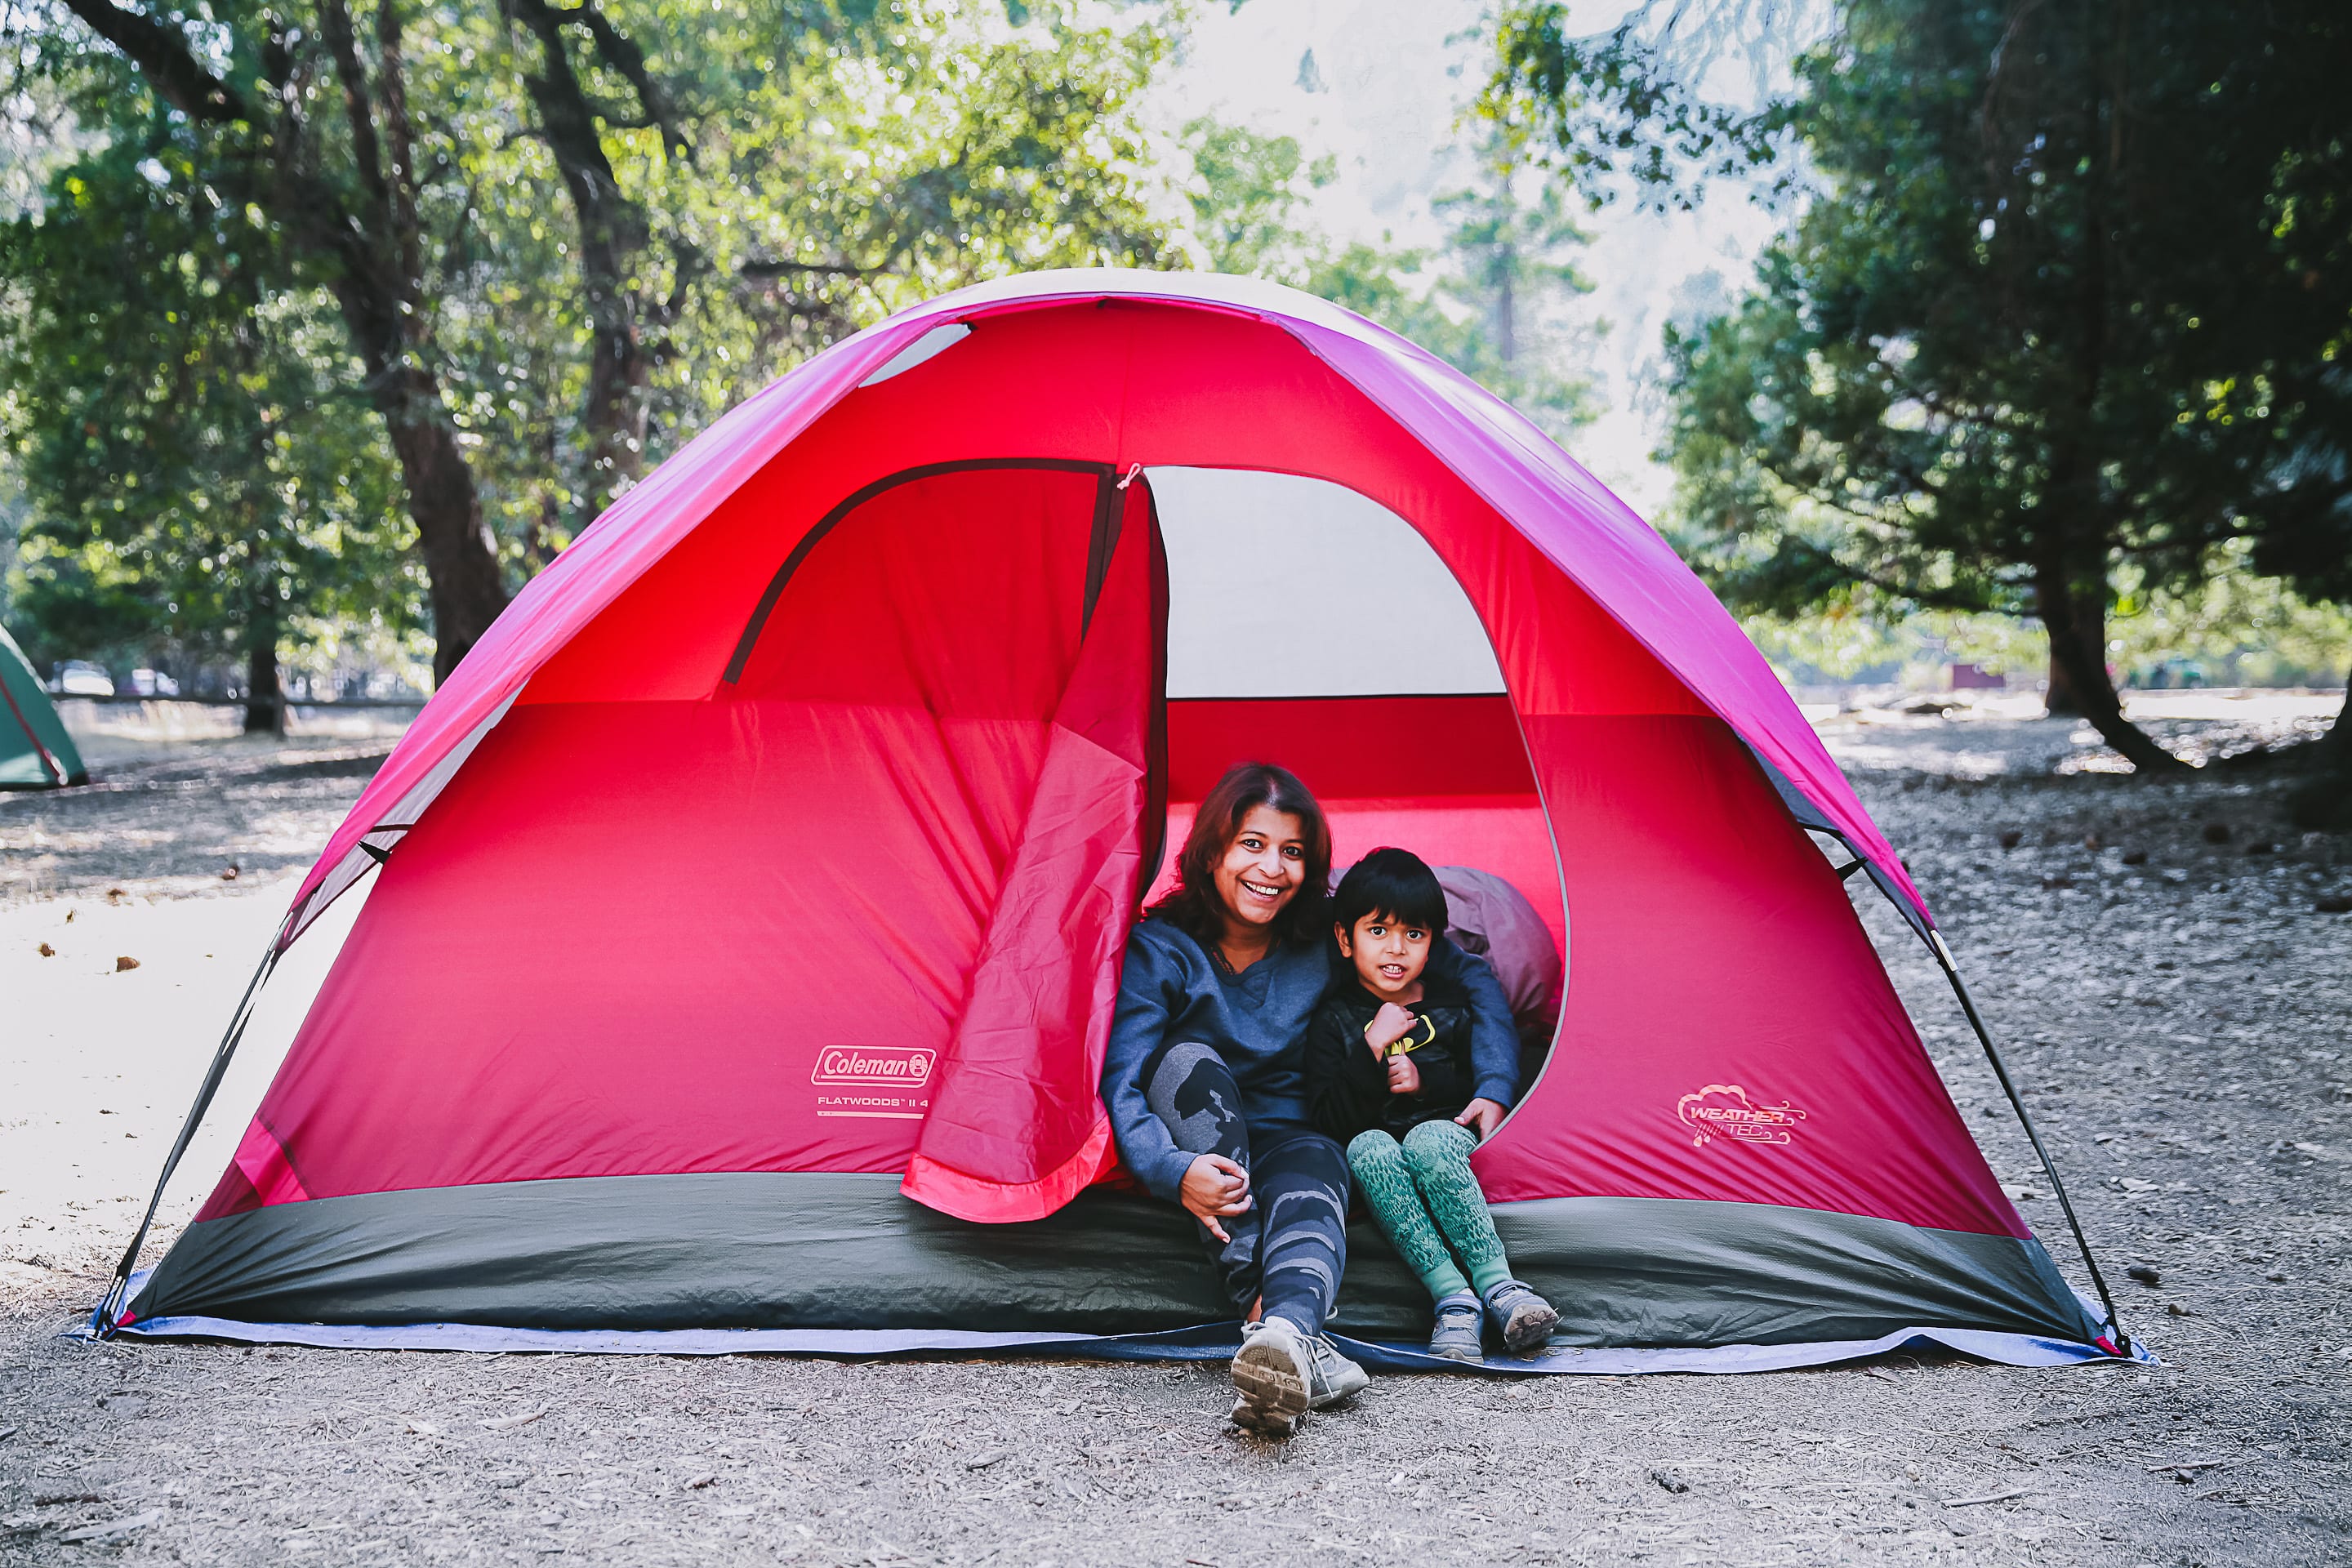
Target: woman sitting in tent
point(1205, 1077)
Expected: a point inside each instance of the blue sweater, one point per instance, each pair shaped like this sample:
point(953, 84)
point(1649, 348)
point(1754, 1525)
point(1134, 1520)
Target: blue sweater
point(1257, 1020)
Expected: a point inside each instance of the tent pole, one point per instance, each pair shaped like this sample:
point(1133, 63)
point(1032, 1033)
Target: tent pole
point(56, 769)
point(2033, 1135)
point(110, 1310)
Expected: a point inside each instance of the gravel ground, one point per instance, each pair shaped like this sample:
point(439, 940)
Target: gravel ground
point(2162, 962)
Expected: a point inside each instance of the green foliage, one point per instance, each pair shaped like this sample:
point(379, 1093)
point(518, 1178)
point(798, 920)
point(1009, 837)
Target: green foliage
point(1623, 110)
point(1248, 196)
point(2060, 325)
point(774, 174)
point(2029, 319)
point(2238, 627)
point(827, 173)
point(202, 485)
point(1486, 302)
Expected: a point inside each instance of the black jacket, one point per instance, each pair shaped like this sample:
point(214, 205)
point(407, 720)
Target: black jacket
point(1348, 1087)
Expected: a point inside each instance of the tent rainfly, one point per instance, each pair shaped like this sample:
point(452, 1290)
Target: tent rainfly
point(747, 906)
point(36, 753)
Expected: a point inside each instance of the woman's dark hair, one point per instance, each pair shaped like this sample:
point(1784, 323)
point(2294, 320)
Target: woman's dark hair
point(1394, 883)
point(1193, 906)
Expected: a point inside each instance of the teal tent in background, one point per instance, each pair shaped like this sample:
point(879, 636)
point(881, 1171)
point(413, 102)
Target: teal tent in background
point(36, 753)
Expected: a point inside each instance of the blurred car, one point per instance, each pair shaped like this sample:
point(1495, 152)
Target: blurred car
point(80, 678)
point(154, 683)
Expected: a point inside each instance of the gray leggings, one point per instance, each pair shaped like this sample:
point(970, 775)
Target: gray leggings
point(1291, 1247)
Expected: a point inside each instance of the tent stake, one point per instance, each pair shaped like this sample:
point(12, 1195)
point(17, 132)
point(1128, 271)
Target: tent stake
point(2033, 1134)
point(110, 1310)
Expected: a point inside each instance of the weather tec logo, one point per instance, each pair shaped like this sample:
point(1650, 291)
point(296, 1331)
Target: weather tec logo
point(1723, 1110)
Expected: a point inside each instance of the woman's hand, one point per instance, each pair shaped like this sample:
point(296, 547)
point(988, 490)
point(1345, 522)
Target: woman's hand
point(1403, 1077)
point(1482, 1117)
point(1388, 1026)
point(1216, 1187)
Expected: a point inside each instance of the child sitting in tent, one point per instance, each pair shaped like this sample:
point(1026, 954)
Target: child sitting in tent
point(1389, 1076)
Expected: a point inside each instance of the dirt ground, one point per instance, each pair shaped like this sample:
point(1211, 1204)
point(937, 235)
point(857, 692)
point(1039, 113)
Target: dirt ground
point(2166, 964)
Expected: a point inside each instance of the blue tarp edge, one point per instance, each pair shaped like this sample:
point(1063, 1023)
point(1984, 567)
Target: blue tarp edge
point(1203, 1342)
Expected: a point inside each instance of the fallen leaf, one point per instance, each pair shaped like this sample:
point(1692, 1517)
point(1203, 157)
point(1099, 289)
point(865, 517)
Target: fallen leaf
point(125, 962)
point(2133, 1184)
point(46, 951)
point(118, 1527)
point(509, 1423)
point(982, 1461)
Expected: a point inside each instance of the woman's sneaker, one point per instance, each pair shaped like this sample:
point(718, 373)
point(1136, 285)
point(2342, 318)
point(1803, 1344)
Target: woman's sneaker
point(1280, 1374)
point(1335, 1377)
point(1524, 1319)
point(1274, 1377)
point(1458, 1335)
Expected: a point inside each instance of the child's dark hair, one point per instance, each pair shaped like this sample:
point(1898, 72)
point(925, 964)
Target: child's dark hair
point(1394, 883)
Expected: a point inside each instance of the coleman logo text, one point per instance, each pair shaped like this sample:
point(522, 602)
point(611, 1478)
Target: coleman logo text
point(899, 1067)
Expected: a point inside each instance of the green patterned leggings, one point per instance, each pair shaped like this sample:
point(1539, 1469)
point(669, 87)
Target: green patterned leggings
point(1425, 1197)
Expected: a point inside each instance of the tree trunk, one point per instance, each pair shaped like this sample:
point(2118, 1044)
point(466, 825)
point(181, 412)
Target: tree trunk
point(614, 234)
point(2090, 625)
point(265, 697)
point(2326, 802)
point(2076, 621)
point(460, 561)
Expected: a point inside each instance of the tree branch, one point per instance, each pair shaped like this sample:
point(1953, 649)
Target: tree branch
point(335, 19)
point(765, 270)
point(163, 56)
point(398, 131)
point(1934, 598)
point(620, 52)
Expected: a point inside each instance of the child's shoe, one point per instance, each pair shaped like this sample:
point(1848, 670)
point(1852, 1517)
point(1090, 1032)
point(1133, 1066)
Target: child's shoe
point(1524, 1318)
point(1458, 1333)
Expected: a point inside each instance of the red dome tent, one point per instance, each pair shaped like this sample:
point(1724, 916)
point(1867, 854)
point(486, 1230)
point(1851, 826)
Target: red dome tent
point(768, 864)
